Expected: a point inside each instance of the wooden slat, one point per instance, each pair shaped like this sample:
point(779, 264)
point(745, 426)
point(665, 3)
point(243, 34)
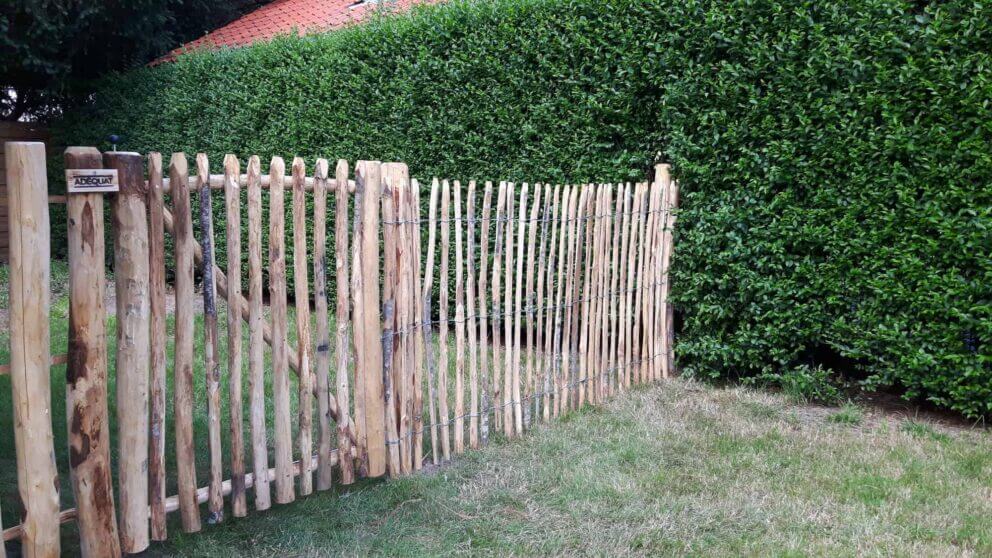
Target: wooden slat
point(301, 290)
point(210, 349)
point(540, 333)
point(183, 351)
point(459, 325)
point(593, 292)
point(497, 311)
point(406, 313)
point(508, 315)
point(647, 353)
point(443, 366)
point(368, 328)
point(530, 304)
point(642, 246)
point(419, 349)
point(256, 341)
point(133, 345)
point(483, 315)
point(471, 317)
point(518, 419)
point(610, 288)
point(622, 358)
point(277, 302)
point(425, 317)
point(390, 356)
point(663, 175)
point(158, 347)
point(232, 204)
point(572, 304)
point(552, 329)
point(343, 330)
point(587, 210)
point(322, 353)
point(86, 375)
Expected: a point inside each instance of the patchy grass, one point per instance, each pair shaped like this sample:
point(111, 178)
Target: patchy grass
point(849, 414)
point(678, 468)
point(674, 469)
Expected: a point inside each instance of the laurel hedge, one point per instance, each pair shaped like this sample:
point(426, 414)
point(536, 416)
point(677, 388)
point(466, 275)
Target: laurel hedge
point(835, 157)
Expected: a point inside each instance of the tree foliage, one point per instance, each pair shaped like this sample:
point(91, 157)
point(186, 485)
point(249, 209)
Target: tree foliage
point(52, 50)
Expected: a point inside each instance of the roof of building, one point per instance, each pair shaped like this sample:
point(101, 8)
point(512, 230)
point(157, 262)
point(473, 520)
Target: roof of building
point(282, 17)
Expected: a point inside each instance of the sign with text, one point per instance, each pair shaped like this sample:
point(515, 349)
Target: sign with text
point(87, 181)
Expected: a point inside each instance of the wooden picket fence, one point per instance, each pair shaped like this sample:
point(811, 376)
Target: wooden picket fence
point(560, 300)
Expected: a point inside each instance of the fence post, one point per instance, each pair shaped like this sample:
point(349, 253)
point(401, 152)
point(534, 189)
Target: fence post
point(158, 338)
point(182, 369)
point(131, 264)
point(368, 329)
point(30, 346)
point(86, 372)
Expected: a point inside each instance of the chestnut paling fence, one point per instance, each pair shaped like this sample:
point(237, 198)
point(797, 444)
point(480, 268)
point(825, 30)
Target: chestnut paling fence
point(505, 305)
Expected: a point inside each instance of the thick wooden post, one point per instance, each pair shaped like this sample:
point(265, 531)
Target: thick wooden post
point(86, 371)
point(368, 329)
point(157, 337)
point(133, 346)
point(182, 369)
point(30, 346)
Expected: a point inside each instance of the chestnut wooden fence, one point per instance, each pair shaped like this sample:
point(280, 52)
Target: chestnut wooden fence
point(560, 299)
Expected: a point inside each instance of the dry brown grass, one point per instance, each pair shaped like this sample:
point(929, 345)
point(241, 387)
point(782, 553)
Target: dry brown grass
point(676, 469)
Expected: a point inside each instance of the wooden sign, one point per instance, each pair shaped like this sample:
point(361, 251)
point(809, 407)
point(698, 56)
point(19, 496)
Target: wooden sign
point(85, 181)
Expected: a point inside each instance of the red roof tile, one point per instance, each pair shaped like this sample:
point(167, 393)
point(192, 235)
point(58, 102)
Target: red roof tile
point(283, 16)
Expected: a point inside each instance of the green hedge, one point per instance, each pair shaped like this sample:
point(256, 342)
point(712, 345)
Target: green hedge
point(834, 156)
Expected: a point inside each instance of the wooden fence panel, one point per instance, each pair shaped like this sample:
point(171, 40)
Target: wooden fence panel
point(577, 299)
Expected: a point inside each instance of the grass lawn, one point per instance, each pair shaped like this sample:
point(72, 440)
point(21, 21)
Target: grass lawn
point(678, 468)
